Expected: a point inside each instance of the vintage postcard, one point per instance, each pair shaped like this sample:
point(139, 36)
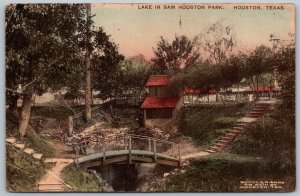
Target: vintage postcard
point(150, 97)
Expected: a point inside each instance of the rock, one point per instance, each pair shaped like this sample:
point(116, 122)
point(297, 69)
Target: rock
point(166, 175)
point(37, 156)
point(20, 146)
point(11, 140)
point(29, 151)
point(182, 171)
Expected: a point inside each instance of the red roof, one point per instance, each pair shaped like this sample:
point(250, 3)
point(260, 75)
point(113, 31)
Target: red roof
point(266, 88)
point(158, 80)
point(190, 91)
point(262, 89)
point(160, 102)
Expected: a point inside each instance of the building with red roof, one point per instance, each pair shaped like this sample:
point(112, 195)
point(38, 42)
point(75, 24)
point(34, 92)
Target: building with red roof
point(158, 80)
point(161, 103)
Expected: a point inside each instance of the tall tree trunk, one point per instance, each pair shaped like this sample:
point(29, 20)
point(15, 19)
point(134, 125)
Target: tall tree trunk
point(88, 100)
point(26, 109)
point(238, 93)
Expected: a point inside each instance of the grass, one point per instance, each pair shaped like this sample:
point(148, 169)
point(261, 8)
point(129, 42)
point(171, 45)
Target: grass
point(223, 173)
point(39, 143)
point(32, 138)
point(22, 171)
point(271, 138)
point(57, 112)
point(205, 124)
point(265, 152)
point(81, 181)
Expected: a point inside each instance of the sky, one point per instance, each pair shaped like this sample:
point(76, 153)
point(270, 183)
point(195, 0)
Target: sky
point(137, 30)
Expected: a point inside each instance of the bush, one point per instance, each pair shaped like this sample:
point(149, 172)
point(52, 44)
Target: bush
point(81, 181)
point(225, 122)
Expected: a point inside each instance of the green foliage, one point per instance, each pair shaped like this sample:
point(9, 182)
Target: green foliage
point(223, 173)
point(124, 117)
point(57, 112)
point(233, 70)
point(181, 52)
point(22, 171)
point(225, 122)
point(134, 72)
point(272, 137)
point(106, 64)
point(42, 44)
point(207, 123)
point(81, 181)
point(11, 124)
point(284, 61)
point(39, 143)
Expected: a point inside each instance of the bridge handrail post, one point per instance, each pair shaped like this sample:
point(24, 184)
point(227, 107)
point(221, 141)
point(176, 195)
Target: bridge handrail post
point(129, 146)
point(125, 144)
point(70, 125)
point(77, 148)
point(154, 150)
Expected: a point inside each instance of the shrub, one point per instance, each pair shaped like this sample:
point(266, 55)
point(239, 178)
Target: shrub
point(225, 122)
point(81, 181)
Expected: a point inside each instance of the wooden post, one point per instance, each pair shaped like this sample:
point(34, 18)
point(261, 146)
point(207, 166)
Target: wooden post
point(125, 144)
point(154, 150)
point(70, 125)
point(149, 144)
point(129, 154)
point(77, 148)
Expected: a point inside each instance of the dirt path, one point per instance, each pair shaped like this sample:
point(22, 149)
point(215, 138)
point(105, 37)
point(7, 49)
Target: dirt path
point(52, 181)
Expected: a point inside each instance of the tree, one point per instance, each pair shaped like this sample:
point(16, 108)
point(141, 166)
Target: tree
point(42, 48)
point(258, 63)
point(88, 70)
point(135, 71)
point(181, 53)
point(219, 41)
point(284, 62)
point(106, 61)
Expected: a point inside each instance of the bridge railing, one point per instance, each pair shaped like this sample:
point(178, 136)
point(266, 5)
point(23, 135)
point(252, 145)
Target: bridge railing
point(130, 142)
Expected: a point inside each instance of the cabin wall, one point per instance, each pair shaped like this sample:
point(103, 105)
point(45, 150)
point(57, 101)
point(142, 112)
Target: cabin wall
point(159, 118)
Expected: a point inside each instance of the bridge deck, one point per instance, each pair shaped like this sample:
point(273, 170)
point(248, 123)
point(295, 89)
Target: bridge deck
point(115, 153)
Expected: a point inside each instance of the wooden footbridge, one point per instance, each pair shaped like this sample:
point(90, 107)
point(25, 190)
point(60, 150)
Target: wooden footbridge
point(127, 148)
